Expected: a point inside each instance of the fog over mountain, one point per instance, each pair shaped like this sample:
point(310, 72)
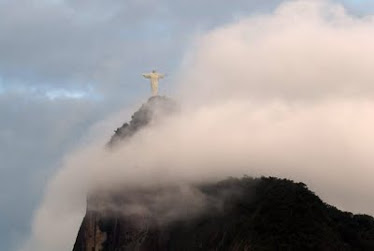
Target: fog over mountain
point(286, 94)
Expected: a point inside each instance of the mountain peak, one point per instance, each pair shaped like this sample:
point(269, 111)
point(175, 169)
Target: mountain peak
point(155, 107)
point(233, 214)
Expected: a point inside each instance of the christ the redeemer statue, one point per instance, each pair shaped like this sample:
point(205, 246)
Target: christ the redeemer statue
point(154, 77)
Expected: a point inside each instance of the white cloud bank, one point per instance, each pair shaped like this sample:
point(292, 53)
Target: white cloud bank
point(288, 94)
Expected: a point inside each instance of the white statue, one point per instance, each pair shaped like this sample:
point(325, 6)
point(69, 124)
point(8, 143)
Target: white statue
point(154, 77)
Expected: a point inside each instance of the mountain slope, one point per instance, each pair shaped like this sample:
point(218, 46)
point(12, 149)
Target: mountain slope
point(254, 214)
point(234, 214)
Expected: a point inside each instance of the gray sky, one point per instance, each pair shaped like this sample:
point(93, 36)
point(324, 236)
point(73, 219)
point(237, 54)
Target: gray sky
point(65, 65)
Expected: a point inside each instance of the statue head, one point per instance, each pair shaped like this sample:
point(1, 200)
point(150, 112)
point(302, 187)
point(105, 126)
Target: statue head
point(153, 71)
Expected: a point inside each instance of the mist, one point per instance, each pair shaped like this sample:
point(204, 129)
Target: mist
point(287, 94)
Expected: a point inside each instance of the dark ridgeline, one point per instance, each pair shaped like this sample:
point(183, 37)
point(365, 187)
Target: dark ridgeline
point(253, 214)
point(155, 107)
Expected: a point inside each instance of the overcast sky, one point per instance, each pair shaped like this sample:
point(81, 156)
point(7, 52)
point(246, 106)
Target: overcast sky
point(65, 65)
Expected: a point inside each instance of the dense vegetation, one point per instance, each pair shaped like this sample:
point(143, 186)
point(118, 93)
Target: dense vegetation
point(255, 214)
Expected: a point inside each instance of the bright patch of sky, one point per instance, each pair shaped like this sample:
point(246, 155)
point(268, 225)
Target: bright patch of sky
point(358, 6)
point(49, 93)
point(1, 86)
point(61, 93)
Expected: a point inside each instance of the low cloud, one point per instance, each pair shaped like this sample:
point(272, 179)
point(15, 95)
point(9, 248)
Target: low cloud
point(287, 94)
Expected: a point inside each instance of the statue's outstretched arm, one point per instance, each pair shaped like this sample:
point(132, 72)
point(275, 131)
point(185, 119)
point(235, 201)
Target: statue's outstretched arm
point(146, 75)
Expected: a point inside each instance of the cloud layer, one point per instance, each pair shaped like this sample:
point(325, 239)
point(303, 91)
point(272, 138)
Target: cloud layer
point(78, 61)
point(286, 94)
point(304, 50)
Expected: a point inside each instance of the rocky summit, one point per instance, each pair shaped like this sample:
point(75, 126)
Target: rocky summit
point(154, 108)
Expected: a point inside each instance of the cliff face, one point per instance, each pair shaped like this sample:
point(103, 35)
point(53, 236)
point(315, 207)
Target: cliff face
point(234, 214)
